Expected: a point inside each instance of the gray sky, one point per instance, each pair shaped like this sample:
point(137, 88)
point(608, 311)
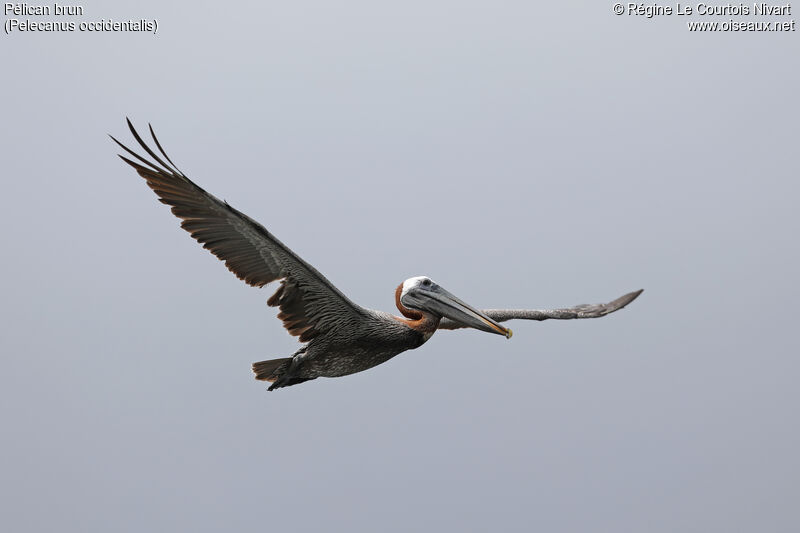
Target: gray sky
point(522, 155)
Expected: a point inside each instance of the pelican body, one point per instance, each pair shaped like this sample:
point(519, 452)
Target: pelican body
point(338, 336)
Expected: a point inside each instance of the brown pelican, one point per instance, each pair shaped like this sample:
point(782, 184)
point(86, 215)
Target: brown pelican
point(339, 336)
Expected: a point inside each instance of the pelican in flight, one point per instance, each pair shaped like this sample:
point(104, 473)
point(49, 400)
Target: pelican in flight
point(339, 337)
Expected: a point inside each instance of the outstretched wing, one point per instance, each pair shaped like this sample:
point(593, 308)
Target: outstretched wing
point(567, 313)
point(309, 304)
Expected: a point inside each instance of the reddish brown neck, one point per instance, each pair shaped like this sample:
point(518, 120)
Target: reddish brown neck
point(415, 319)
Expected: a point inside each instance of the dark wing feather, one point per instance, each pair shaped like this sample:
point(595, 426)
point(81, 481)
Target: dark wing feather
point(309, 303)
point(579, 311)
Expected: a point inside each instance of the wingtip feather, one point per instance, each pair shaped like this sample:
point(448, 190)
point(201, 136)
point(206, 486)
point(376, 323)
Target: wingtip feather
point(624, 300)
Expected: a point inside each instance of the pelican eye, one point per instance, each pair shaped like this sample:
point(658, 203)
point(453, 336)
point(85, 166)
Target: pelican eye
point(426, 282)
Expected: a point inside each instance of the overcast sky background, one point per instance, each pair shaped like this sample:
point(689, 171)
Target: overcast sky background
point(521, 154)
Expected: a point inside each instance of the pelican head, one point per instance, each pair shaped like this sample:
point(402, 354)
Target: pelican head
point(421, 293)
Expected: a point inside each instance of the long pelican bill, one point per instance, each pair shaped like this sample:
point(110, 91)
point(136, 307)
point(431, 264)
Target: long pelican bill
point(339, 337)
point(436, 299)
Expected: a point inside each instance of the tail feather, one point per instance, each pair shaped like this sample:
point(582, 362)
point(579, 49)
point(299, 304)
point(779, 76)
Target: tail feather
point(275, 371)
point(271, 370)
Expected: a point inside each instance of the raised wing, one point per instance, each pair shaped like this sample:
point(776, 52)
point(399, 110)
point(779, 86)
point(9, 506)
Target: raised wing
point(567, 313)
point(309, 304)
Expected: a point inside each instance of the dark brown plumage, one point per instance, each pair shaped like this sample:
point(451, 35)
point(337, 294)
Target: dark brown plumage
point(341, 337)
